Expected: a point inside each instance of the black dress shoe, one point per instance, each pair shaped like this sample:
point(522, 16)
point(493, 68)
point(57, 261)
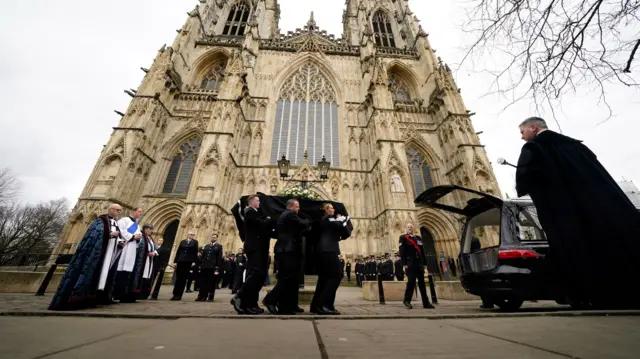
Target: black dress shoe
point(428, 306)
point(237, 304)
point(299, 310)
point(313, 311)
point(200, 300)
point(176, 298)
point(271, 308)
point(188, 291)
point(407, 305)
point(253, 311)
point(326, 311)
point(258, 310)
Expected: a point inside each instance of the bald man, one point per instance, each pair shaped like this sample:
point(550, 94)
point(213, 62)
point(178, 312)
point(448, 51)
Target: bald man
point(89, 277)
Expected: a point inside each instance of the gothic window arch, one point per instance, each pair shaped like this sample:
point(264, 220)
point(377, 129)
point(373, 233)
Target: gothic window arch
point(182, 167)
point(214, 76)
point(382, 30)
point(420, 171)
point(237, 19)
point(306, 118)
point(399, 88)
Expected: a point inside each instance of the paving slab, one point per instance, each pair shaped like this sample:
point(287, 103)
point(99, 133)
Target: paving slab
point(34, 337)
point(584, 337)
point(417, 339)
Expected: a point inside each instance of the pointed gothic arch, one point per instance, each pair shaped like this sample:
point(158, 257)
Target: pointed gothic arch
point(403, 82)
point(203, 64)
point(237, 19)
point(306, 117)
point(383, 29)
point(182, 167)
point(419, 169)
point(214, 76)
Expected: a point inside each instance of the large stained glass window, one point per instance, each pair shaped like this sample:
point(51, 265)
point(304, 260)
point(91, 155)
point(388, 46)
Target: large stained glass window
point(306, 119)
point(182, 167)
point(420, 171)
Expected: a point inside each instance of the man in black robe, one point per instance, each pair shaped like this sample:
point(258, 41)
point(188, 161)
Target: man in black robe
point(587, 218)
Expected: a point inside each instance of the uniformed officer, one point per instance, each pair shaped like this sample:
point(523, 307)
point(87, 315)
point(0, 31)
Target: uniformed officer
point(414, 262)
point(210, 269)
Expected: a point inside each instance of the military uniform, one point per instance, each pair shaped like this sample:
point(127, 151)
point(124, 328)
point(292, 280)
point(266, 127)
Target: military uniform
point(413, 257)
point(210, 271)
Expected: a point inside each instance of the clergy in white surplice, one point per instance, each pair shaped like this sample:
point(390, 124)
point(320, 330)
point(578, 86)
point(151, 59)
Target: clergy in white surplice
point(130, 234)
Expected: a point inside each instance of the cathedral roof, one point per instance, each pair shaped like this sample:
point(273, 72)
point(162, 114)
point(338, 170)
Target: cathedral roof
point(308, 38)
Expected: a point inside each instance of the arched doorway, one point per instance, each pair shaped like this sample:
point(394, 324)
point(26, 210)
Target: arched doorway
point(169, 236)
point(430, 250)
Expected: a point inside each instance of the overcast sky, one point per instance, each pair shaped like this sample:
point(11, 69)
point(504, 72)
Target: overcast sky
point(65, 64)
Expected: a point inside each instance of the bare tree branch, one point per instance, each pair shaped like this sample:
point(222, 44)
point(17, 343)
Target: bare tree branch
point(548, 48)
point(31, 228)
point(9, 186)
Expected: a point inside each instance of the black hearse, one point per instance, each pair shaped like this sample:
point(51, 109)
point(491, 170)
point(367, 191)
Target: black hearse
point(503, 248)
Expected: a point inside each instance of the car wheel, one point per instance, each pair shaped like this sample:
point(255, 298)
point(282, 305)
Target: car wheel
point(509, 304)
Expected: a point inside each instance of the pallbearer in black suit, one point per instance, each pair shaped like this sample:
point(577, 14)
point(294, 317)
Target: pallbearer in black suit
point(282, 299)
point(256, 246)
point(210, 269)
point(186, 255)
point(348, 271)
point(332, 231)
point(414, 263)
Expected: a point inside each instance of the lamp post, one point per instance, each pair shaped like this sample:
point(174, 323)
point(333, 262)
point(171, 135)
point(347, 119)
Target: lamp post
point(284, 165)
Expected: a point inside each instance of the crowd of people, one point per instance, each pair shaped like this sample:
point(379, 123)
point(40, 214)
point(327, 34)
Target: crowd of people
point(117, 261)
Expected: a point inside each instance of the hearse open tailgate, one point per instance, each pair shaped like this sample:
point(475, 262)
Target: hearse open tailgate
point(458, 200)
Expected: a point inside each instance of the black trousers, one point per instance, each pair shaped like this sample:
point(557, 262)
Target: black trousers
point(285, 292)
point(182, 273)
point(120, 288)
point(416, 272)
point(208, 283)
point(256, 267)
point(348, 276)
point(329, 277)
point(237, 280)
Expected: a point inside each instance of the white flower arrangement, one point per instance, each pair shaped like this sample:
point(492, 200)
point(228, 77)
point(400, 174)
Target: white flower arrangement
point(299, 193)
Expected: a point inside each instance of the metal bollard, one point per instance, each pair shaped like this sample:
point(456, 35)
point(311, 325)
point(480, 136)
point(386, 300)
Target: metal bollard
point(432, 289)
point(47, 279)
point(380, 289)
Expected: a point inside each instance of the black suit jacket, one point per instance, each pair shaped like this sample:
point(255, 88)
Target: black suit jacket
point(331, 233)
point(212, 256)
point(187, 252)
point(290, 227)
point(257, 231)
point(408, 253)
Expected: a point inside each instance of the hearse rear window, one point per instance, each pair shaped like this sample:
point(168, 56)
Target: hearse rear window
point(529, 228)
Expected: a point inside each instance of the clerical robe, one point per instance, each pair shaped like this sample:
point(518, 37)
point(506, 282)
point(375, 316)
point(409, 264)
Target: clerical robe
point(80, 281)
point(592, 227)
point(128, 259)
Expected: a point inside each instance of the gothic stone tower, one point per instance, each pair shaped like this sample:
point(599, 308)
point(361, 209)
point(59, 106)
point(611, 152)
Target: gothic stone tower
point(219, 107)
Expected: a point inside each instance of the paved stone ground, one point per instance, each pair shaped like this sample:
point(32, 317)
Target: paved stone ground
point(348, 300)
point(195, 338)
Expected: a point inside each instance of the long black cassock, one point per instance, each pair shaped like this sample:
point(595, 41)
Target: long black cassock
point(273, 206)
point(592, 227)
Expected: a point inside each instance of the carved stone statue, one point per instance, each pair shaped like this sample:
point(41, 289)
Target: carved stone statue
point(396, 183)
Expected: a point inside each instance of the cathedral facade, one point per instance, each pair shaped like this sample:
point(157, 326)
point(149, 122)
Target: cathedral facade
point(219, 107)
